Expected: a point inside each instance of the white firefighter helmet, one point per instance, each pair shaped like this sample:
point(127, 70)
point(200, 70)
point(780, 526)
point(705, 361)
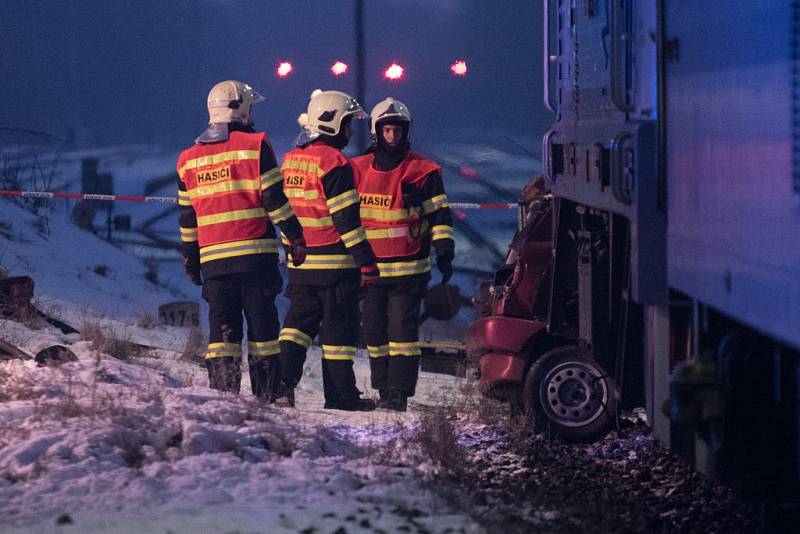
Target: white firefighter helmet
point(390, 109)
point(230, 101)
point(327, 110)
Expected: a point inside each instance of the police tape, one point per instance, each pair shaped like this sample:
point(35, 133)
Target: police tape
point(174, 200)
point(87, 196)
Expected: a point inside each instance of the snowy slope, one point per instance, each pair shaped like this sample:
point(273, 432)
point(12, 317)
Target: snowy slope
point(64, 262)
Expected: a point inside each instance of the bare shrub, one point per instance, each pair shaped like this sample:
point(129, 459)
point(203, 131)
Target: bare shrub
point(109, 342)
point(438, 439)
point(75, 402)
point(5, 377)
point(130, 444)
point(146, 320)
point(29, 160)
point(152, 273)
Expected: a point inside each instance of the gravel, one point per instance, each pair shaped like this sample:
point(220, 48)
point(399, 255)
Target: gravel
point(519, 481)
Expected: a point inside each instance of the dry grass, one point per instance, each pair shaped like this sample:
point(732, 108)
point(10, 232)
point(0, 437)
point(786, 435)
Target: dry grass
point(79, 400)
point(109, 342)
point(195, 349)
point(18, 387)
point(146, 320)
point(438, 438)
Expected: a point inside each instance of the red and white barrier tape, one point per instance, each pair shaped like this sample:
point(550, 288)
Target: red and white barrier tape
point(174, 200)
point(487, 206)
point(87, 196)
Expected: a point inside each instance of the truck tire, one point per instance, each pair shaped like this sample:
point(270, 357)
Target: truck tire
point(568, 393)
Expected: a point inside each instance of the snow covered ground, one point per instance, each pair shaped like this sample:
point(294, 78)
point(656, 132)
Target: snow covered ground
point(126, 442)
point(103, 445)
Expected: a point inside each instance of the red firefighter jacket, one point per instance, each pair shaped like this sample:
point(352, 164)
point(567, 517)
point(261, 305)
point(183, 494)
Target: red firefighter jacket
point(402, 210)
point(318, 181)
point(227, 201)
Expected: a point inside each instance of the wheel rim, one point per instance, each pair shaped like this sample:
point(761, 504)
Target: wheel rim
point(574, 394)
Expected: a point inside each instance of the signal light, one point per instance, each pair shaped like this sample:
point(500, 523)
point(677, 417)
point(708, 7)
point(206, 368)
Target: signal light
point(394, 72)
point(284, 69)
point(339, 68)
point(459, 68)
point(469, 172)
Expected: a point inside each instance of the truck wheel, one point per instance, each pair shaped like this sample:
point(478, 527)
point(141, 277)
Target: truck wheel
point(567, 392)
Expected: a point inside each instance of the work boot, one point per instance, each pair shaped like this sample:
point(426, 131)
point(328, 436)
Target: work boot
point(394, 400)
point(384, 398)
point(224, 374)
point(399, 403)
point(354, 405)
point(284, 396)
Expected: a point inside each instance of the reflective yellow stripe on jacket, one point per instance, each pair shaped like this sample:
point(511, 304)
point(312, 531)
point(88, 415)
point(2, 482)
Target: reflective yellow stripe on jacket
point(228, 216)
point(326, 261)
point(281, 214)
point(188, 235)
point(404, 268)
point(387, 232)
point(300, 194)
point(354, 237)
point(270, 178)
point(385, 215)
point(312, 222)
point(303, 165)
point(340, 202)
point(233, 155)
point(238, 248)
point(442, 231)
point(435, 203)
point(223, 187)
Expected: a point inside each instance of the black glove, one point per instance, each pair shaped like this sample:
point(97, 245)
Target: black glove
point(192, 273)
point(370, 275)
point(444, 262)
point(297, 249)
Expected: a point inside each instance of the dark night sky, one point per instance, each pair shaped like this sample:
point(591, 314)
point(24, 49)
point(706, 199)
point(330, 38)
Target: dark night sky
point(117, 71)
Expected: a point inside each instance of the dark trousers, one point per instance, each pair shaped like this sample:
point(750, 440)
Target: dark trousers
point(391, 330)
point(230, 296)
point(332, 312)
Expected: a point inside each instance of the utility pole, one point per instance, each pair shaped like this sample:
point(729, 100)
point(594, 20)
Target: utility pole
point(360, 67)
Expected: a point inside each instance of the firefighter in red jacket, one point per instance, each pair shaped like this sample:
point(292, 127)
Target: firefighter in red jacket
point(230, 192)
point(319, 182)
point(404, 209)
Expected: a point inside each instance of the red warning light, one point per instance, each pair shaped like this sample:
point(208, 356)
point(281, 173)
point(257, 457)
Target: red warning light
point(339, 68)
point(284, 69)
point(459, 68)
point(469, 172)
point(394, 72)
